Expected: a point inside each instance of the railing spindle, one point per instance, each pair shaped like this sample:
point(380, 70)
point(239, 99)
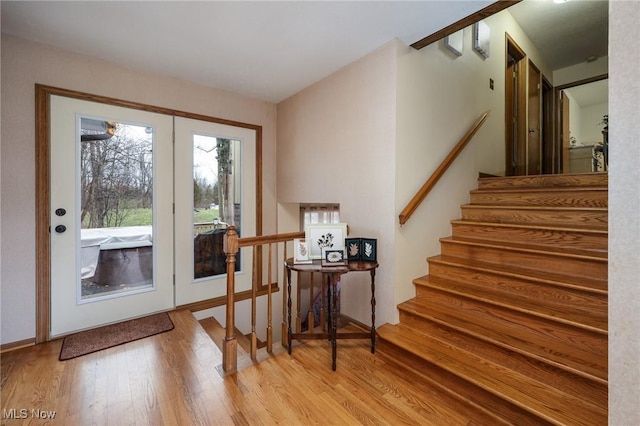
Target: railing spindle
point(298, 290)
point(310, 315)
point(283, 335)
point(269, 303)
point(232, 243)
point(254, 291)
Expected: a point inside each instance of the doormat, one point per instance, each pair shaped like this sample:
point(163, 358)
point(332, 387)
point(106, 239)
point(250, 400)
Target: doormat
point(95, 340)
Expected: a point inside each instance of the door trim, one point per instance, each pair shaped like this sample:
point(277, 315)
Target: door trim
point(558, 142)
point(519, 100)
point(42, 202)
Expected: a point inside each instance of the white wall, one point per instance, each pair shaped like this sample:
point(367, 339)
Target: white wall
point(23, 65)
point(575, 122)
point(581, 71)
point(591, 117)
point(381, 164)
point(336, 145)
point(440, 96)
point(624, 220)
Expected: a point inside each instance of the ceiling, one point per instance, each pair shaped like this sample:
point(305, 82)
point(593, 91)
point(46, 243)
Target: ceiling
point(565, 33)
point(269, 50)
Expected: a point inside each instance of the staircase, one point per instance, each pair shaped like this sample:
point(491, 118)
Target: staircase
point(512, 317)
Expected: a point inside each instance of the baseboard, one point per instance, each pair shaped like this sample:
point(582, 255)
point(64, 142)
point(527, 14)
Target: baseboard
point(347, 319)
point(12, 346)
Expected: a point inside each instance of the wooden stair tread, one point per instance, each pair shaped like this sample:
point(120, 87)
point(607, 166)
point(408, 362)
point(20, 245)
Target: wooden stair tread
point(540, 236)
point(217, 333)
point(572, 228)
point(556, 343)
point(579, 217)
point(550, 189)
point(564, 180)
point(523, 391)
point(536, 208)
point(593, 391)
point(592, 255)
point(576, 318)
point(551, 197)
point(586, 284)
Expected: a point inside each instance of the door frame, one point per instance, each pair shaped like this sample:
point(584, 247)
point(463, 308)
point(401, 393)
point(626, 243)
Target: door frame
point(534, 114)
point(519, 99)
point(558, 139)
point(42, 202)
point(549, 150)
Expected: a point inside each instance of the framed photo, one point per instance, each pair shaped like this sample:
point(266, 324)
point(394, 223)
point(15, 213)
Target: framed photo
point(301, 251)
point(368, 249)
point(333, 257)
point(353, 248)
point(329, 235)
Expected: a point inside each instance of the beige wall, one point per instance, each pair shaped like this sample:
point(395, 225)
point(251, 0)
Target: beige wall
point(23, 65)
point(624, 217)
point(336, 144)
point(392, 117)
point(440, 95)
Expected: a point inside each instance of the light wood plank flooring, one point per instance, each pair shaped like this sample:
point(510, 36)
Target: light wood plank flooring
point(172, 379)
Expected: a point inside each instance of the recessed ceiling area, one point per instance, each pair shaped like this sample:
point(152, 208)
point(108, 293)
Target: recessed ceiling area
point(565, 33)
point(594, 93)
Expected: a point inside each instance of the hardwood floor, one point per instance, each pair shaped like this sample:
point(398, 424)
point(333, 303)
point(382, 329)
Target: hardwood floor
point(173, 379)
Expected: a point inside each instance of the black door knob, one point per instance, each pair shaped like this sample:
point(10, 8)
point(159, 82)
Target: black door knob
point(60, 212)
point(60, 229)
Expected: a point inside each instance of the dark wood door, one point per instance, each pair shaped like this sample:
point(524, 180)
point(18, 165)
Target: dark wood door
point(515, 110)
point(534, 113)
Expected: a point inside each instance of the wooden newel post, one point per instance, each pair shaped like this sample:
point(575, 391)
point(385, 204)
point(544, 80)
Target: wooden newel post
point(230, 344)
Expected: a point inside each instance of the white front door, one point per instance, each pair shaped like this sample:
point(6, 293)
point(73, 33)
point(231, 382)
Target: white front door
point(111, 207)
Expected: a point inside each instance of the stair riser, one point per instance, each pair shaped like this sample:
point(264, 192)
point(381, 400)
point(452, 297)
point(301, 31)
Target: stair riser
point(562, 302)
point(562, 344)
point(594, 219)
point(534, 236)
point(584, 180)
point(534, 260)
point(586, 198)
point(566, 381)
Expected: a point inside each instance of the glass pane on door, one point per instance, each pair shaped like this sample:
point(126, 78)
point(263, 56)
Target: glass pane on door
point(116, 208)
point(216, 202)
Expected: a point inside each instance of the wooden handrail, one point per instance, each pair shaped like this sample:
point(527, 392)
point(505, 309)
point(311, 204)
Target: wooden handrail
point(435, 177)
point(232, 244)
point(268, 239)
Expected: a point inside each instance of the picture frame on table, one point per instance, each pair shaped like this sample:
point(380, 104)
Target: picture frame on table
point(333, 257)
point(353, 246)
point(301, 251)
point(369, 249)
point(329, 235)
